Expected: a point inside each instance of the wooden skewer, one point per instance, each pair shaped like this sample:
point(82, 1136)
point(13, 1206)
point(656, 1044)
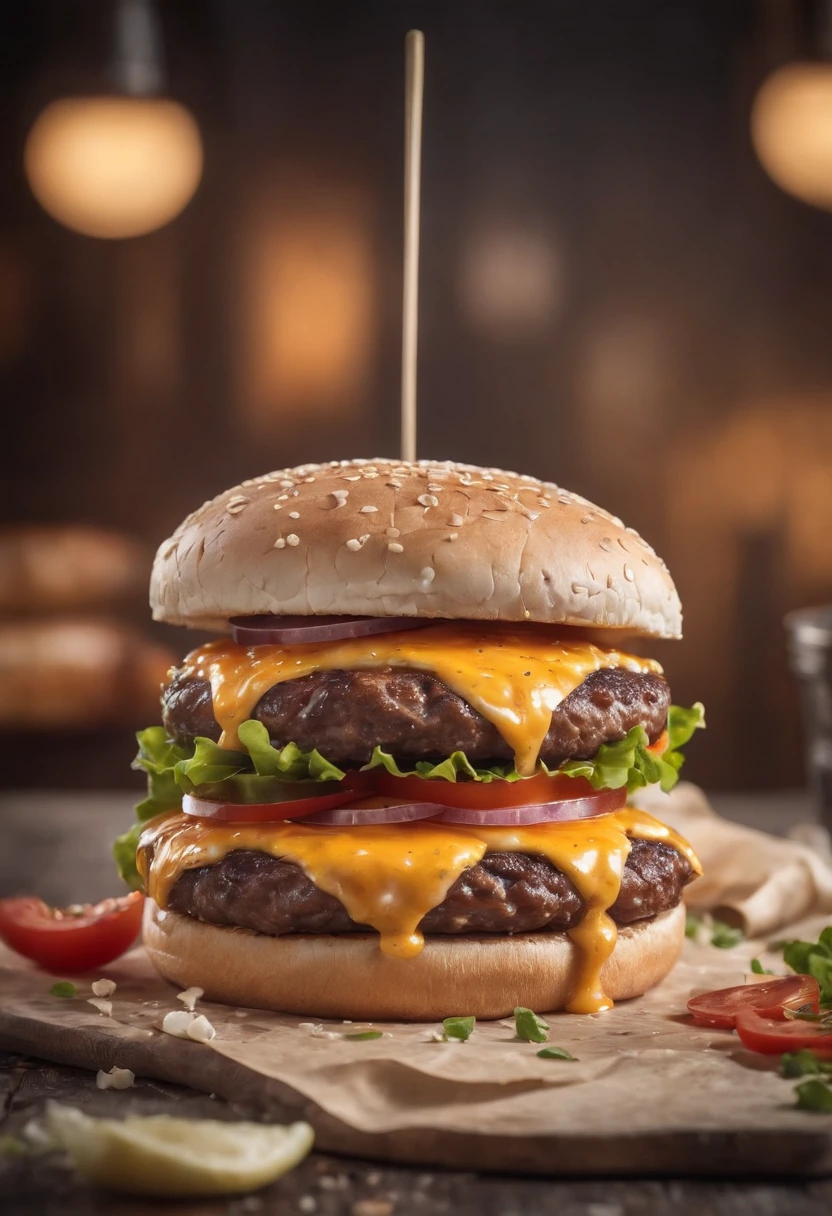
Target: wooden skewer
point(413, 95)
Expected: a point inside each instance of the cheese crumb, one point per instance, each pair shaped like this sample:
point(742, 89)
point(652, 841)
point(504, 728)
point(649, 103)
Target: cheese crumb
point(190, 997)
point(116, 1078)
point(103, 987)
point(103, 1007)
point(201, 1030)
point(184, 1025)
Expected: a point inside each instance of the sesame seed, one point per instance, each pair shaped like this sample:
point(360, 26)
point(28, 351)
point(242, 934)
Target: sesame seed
point(370, 474)
point(543, 502)
point(394, 547)
point(396, 485)
point(364, 538)
point(277, 506)
point(434, 487)
point(578, 589)
point(368, 510)
point(308, 480)
point(282, 497)
point(286, 484)
point(605, 543)
point(340, 497)
point(292, 540)
point(457, 521)
point(628, 574)
point(609, 580)
point(587, 519)
point(294, 514)
point(452, 536)
point(565, 500)
point(428, 500)
point(352, 477)
point(353, 545)
point(427, 574)
point(623, 546)
point(392, 532)
point(236, 508)
point(280, 543)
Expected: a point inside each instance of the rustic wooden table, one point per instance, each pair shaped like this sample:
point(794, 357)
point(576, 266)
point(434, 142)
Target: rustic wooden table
point(59, 845)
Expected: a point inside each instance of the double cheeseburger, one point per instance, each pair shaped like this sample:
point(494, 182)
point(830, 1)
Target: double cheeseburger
point(395, 787)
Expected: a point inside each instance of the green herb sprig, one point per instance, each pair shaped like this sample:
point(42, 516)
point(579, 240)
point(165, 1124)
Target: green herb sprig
point(459, 1029)
point(63, 988)
point(554, 1053)
point(529, 1027)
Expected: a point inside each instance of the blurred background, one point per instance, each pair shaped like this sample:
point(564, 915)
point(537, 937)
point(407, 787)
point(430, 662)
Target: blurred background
point(626, 287)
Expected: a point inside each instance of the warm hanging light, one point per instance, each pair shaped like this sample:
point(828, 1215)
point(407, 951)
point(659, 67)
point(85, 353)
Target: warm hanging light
point(791, 129)
point(118, 165)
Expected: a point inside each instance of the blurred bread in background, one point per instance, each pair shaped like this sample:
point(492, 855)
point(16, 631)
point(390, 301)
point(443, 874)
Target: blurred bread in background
point(73, 674)
point(48, 569)
point(70, 658)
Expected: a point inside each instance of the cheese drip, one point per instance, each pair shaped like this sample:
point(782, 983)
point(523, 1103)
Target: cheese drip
point(514, 677)
point(390, 876)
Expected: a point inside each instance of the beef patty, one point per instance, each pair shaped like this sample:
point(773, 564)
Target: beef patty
point(502, 893)
point(414, 716)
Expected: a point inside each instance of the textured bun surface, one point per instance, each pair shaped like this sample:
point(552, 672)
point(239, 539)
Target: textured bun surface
point(347, 976)
point(383, 538)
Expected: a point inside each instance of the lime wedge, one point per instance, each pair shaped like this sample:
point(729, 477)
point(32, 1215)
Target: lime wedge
point(164, 1156)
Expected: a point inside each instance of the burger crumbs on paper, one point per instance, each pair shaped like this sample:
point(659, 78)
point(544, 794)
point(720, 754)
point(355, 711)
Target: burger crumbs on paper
point(417, 727)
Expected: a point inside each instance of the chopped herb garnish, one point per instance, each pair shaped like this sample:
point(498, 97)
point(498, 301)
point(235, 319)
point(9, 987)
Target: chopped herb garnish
point(361, 1036)
point(815, 959)
point(459, 1029)
point(707, 931)
point(529, 1026)
point(814, 1095)
point(725, 936)
point(803, 1063)
point(63, 988)
point(554, 1053)
point(11, 1146)
point(758, 968)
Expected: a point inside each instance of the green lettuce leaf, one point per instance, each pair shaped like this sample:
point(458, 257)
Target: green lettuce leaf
point(629, 763)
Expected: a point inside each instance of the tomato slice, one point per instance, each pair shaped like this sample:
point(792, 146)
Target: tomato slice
point(660, 745)
point(483, 795)
point(767, 999)
point(256, 812)
point(71, 939)
point(773, 1036)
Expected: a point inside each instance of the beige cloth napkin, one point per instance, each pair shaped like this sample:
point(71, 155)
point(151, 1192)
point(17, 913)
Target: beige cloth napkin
point(751, 879)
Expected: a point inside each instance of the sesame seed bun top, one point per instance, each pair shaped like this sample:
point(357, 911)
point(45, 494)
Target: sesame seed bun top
point(390, 538)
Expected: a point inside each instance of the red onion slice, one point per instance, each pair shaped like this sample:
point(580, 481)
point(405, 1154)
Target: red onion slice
point(258, 812)
point(297, 630)
point(602, 803)
point(374, 810)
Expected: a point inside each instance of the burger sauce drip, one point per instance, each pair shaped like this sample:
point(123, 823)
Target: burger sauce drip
point(514, 677)
point(390, 879)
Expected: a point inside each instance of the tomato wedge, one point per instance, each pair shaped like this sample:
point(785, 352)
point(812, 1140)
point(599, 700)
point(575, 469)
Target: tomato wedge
point(72, 939)
point(484, 795)
point(255, 812)
point(767, 1000)
point(773, 1036)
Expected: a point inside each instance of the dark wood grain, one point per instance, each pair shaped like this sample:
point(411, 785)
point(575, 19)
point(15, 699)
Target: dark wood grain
point(326, 1186)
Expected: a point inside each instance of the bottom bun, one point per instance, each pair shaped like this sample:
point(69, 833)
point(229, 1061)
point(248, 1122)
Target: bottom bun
point(347, 976)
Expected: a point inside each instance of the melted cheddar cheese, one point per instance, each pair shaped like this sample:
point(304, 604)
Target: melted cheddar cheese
point(514, 676)
point(390, 876)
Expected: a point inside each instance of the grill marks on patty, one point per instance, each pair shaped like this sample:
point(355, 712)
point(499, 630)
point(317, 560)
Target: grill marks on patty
point(414, 716)
point(503, 893)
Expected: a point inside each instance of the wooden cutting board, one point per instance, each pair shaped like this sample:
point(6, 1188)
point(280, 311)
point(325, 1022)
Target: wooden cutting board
point(649, 1094)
